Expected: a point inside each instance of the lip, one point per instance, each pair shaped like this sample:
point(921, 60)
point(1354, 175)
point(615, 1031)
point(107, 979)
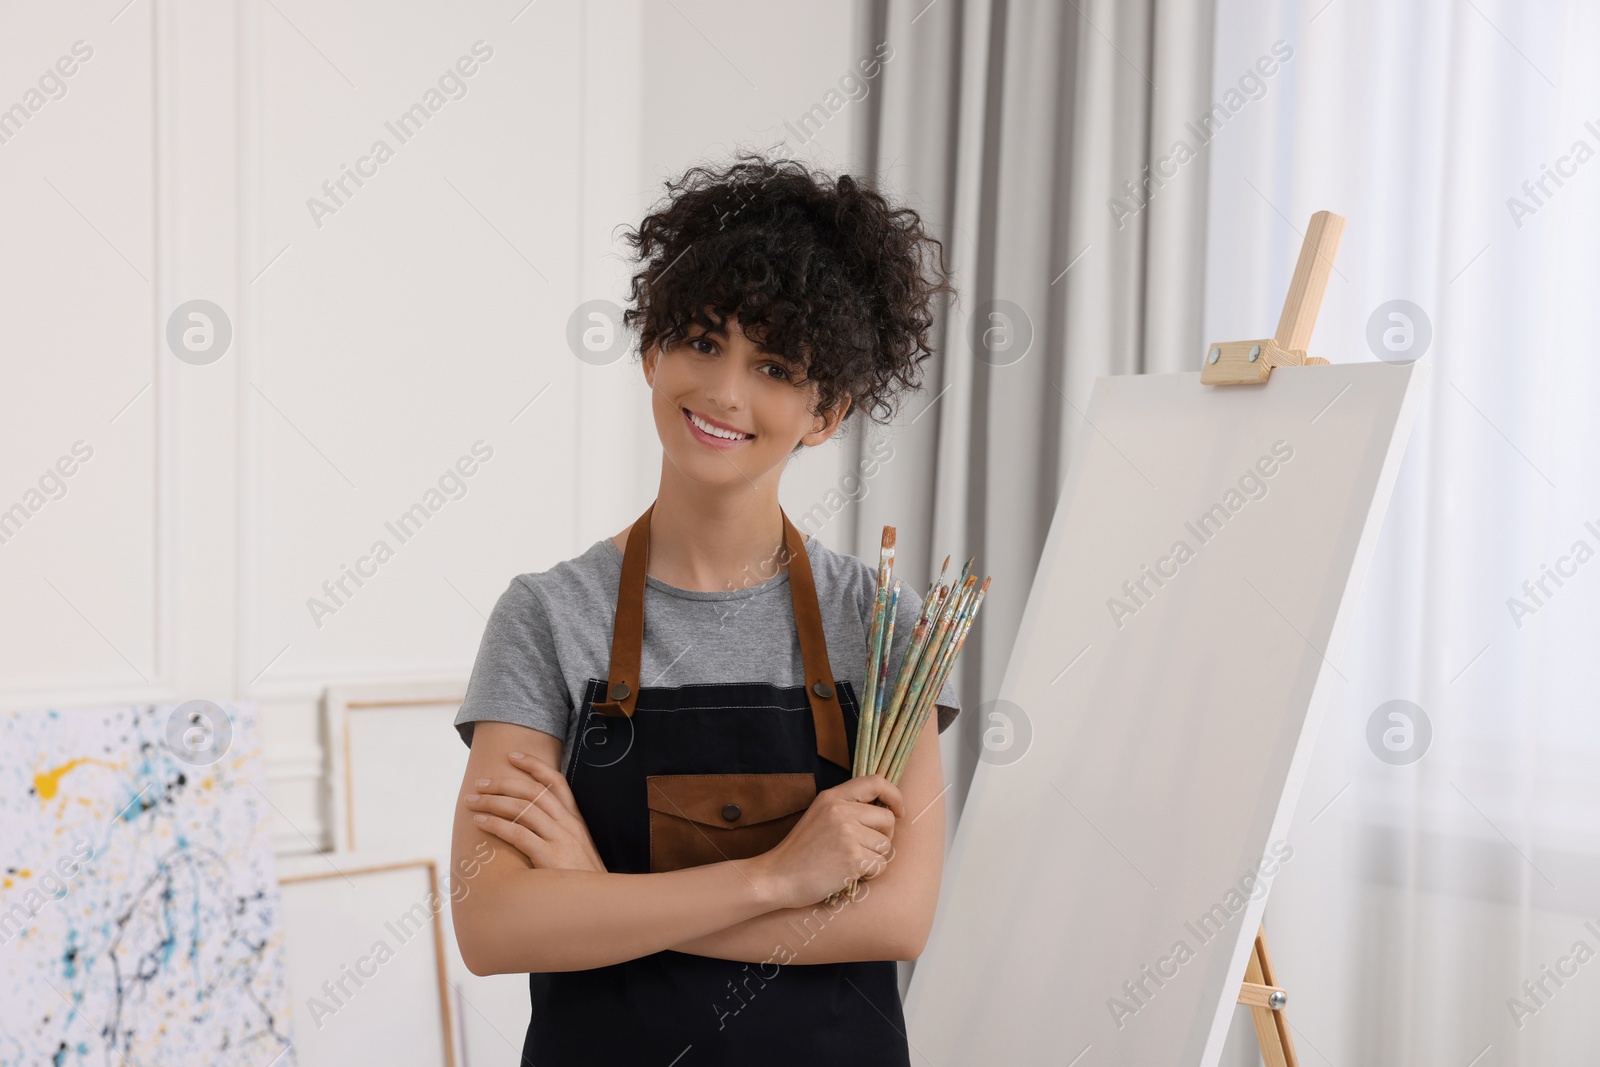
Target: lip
point(708, 440)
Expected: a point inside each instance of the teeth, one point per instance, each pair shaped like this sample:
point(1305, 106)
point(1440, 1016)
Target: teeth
point(716, 431)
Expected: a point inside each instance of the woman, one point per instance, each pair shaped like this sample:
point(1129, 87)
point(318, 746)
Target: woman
point(661, 728)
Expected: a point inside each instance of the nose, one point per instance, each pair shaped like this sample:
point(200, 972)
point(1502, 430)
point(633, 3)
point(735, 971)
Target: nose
point(725, 384)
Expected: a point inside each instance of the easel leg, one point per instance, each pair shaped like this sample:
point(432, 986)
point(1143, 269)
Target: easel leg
point(1272, 1027)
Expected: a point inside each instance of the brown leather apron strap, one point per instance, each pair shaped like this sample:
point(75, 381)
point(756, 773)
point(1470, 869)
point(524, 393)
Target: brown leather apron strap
point(627, 630)
point(627, 638)
point(826, 712)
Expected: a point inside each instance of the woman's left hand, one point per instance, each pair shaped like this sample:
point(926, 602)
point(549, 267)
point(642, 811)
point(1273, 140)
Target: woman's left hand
point(537, 815)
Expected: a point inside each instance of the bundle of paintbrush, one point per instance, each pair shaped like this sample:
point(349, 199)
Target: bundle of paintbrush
point(892, 715)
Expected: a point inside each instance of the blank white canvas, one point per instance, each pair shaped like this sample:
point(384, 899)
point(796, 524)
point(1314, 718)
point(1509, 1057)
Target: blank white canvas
point(1169, 737)
point(363, 962)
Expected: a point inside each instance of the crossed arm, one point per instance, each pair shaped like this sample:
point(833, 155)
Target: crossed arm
point(545, 902)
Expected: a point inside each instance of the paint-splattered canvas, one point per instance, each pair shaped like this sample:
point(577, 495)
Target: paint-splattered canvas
point(139, 918)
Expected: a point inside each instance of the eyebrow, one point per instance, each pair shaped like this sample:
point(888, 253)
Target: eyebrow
point(706, 331)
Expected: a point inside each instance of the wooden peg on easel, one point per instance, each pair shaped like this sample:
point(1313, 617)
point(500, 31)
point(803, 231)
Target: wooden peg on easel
point(1251, 362)
point(1266, 1000)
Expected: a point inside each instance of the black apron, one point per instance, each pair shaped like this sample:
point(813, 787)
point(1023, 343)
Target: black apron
point(631, 773)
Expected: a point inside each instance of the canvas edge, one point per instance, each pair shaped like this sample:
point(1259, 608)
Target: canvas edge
point(1321, 694)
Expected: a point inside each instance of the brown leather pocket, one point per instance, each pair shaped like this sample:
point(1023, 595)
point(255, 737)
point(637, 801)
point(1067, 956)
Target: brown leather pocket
point(697, 819)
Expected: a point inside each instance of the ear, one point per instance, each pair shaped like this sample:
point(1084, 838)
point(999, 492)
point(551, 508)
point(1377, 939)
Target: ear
point(828, 423)
point(648, 362)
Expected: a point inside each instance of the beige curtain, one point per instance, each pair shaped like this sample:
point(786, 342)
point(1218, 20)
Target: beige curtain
point(1033, 137)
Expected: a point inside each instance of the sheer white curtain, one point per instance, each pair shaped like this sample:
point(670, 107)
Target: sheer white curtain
point(1437, 911)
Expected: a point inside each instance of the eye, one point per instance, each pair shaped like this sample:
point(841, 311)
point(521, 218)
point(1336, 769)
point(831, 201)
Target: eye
point(783, 372)
point(701, 339)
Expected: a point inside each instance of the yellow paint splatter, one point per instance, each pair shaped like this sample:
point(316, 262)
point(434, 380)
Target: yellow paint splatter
point(48, 783)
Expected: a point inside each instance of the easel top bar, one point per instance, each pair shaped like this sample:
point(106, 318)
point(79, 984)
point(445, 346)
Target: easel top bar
point(1250, 362)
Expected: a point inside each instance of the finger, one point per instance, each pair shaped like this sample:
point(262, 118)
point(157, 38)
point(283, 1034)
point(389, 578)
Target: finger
point(518, 785)
point(880, 819)
point(890, 796)
point(547, 775)
point(529, 813)
point(879, 842)
point(877, 859)
point(871, 839)
point(879, 812)
point(517, 836)
point(869, 787)
point(553, 793)
point(526, 789)
point(517, 810)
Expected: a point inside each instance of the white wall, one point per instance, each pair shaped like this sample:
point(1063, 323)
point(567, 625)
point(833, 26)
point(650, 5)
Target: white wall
point(372, 345)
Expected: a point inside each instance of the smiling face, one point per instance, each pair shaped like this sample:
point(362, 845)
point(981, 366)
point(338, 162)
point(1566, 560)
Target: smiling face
point(728, 412)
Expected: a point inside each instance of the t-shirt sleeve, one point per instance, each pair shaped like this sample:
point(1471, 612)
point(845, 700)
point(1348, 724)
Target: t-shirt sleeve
point(907, 610)
point(517, 677)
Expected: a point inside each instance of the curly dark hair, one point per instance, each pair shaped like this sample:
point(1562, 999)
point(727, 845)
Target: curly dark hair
point(822, 272)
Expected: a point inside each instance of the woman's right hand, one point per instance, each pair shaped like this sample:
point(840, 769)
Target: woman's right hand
point(843, 835)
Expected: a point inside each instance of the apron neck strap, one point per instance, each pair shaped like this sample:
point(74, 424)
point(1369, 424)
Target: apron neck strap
point(627, 638)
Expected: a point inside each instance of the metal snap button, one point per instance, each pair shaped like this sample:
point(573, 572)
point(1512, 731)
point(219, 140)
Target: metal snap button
point(620, 691)
point(823, 690)
point(731, 812)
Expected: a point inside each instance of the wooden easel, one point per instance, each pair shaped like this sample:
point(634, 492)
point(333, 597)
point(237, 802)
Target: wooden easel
point(1250, 363)
point(1260, 991)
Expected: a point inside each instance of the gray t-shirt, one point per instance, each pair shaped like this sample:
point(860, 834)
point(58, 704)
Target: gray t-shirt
point(550, 632)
